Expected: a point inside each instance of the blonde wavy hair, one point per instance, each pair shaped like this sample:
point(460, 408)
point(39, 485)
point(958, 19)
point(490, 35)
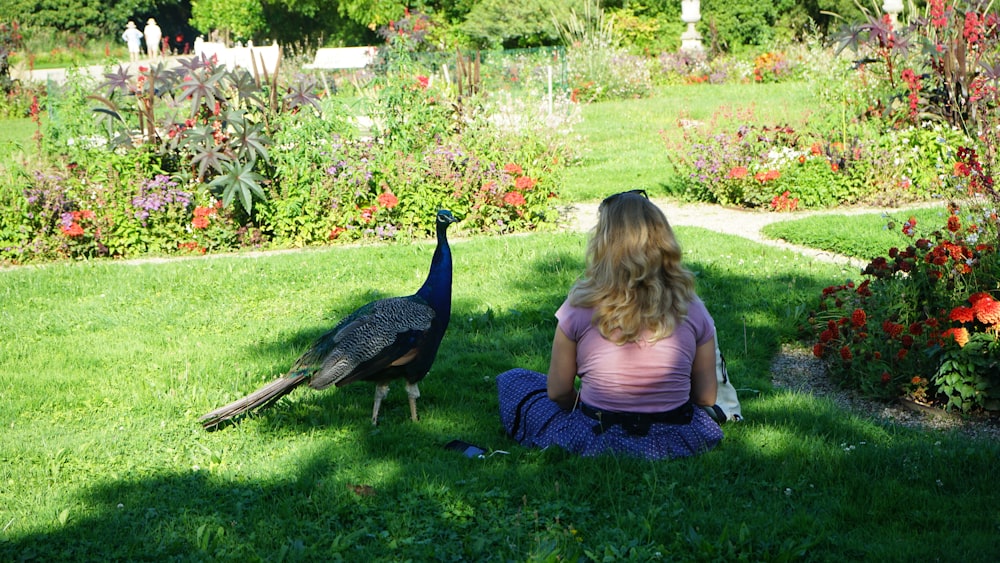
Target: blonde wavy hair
point(634, 279)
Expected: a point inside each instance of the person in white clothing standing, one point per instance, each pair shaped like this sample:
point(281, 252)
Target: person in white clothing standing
point(133, 38)
point(153, 35)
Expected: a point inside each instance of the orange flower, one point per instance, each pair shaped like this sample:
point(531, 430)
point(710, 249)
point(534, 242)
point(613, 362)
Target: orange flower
point(73, 230)
point(961, 335)
point(388, 200)
point(514, 169)
point(524, 183)
point(336, 232)
point(987, 311)
point(200, 222)
point(514, 198)
point(737, 173)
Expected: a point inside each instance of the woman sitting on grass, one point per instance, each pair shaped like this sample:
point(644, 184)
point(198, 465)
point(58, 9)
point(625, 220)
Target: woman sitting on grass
point(641, 341)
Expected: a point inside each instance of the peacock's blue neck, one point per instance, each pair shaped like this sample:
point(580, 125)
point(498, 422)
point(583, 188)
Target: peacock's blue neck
point(436, 290)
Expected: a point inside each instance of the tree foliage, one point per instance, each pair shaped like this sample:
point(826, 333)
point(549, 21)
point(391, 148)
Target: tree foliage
point(237, 19)
point(92, 18)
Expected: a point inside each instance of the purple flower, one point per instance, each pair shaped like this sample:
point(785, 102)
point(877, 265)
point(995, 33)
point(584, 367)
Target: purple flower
point(157, 194)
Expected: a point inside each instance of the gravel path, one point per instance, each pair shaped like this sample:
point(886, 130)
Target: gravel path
point(795, 368)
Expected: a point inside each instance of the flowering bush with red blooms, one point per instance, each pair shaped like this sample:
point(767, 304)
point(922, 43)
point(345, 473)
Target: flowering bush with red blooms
point(919, 325)
point(784, 203)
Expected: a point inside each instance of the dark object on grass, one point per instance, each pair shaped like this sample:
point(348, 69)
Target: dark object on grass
point(393, 338)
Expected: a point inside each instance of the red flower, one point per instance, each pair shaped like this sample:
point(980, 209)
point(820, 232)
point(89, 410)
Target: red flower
point(845, 354)
point(863, 289)
point(514, 198)
point(961, 169)
point(892, 329)
point(954, 223)
point(336, 232)
point(909, 227)
point(938, 18)
point(388, 200)
point(818, 350)
point(826, 336)
point(916, 329)
point(859, 318)
point(422, 82)
point(513, 169)
point(886, 378)
point(524, 183)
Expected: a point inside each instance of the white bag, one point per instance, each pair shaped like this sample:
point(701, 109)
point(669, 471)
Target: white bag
point(727, 404)
point(727, 399)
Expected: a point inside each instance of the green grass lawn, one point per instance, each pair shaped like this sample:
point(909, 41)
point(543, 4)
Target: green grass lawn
point(625, 142)
point(869, 234)
point(105, 368)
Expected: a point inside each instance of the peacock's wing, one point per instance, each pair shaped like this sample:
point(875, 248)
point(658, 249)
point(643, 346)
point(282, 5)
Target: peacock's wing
point(367, 342)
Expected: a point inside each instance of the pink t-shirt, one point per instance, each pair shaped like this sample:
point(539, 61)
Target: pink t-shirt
point(637, 376)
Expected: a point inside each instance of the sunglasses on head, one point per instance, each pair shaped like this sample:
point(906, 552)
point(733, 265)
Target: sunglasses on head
point(613, 197)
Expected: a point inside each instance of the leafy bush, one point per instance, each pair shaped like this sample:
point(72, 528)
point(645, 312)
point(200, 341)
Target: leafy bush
point(934, 299)
point(919, 325)
point(819, 165)
point(207, 159)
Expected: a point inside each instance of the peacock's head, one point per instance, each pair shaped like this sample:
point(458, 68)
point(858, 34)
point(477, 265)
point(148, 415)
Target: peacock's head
point(445, 217)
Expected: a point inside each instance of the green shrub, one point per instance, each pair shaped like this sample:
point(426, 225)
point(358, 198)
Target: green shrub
point(919, 325)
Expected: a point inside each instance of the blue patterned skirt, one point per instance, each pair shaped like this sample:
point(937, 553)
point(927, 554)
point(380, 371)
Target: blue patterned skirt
point(532, 419)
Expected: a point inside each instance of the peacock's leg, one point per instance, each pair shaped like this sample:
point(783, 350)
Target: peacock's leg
point(412, 392)
point(380, 392)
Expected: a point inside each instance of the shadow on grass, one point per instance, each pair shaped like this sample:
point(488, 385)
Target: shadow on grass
point(325, 485)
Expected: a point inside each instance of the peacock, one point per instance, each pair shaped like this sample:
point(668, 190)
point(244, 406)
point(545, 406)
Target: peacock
point(387, 339)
